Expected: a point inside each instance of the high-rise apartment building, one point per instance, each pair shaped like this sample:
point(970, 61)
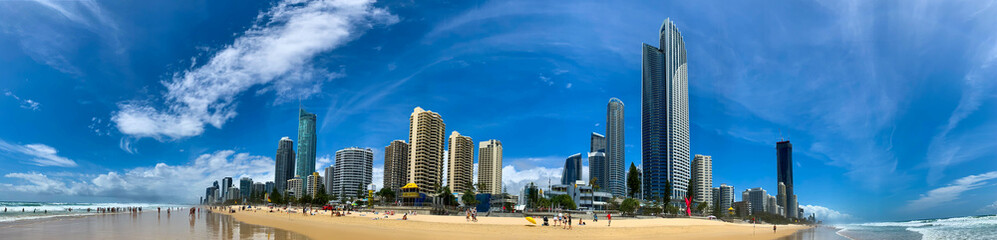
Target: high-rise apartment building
point(702, 178)
point(426, 143)
point(781, 198)
point(226, 186)
point(295, 187)
point(352, 172)
point(758, 198)
point(258, 189)
point(329, 171)
point(597, 170)
point(572, 169)
point(597, 143)
point(284, 165)
point(305, 163)
point(784, 168)
point(269, 186)
point(460, 162)
point(665, 115)
point(726, 197)
point(396, 166)
point(615, 152)
point(312, 185)
point(490, 166)
point(246, 186)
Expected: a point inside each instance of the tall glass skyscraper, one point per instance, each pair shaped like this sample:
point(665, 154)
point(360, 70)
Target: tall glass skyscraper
point(615, 159)
point(572, 169)
point(665, 115)
point(597, 143)
point(284, 165)
point(306, 144)
point(784, 168)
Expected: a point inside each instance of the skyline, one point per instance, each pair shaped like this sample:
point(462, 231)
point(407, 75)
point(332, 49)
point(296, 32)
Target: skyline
point(901, 115)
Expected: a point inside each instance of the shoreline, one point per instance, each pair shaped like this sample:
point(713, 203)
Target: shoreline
point(362, 225)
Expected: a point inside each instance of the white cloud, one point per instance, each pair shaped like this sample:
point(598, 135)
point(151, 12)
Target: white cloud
point(24, 103)
point(37, 154)
point(322, 162)
point(568, 85)
point(280, 47)
point(989, 209)
point(825, 214)
point(513, 180)
point(939, 196)
point(161, 183)
point(377, 176)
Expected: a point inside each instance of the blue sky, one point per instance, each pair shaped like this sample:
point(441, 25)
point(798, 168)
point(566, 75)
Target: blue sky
point(891, 106)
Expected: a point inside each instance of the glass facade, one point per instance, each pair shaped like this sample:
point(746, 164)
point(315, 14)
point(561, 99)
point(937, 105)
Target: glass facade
point(665, 115)
point(284, 165)
point(306, 144)
point(572, 169)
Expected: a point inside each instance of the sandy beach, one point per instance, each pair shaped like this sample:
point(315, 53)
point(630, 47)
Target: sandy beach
point(362, 225)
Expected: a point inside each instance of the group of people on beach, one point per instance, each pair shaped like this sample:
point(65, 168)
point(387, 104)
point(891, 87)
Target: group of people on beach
point(471, 214)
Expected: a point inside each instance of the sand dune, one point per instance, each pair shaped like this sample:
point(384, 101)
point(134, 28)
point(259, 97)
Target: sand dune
point(355, 226)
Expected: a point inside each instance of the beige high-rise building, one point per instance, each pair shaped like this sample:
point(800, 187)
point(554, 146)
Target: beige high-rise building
point(312, 185)
point(396, 166)
point(490, 167)
point(426, 143)
point(461, 162)
point(702, 179)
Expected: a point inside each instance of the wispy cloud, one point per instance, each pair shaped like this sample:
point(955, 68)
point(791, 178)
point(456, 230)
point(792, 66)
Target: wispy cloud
point(24, 103)
point(36, 154)
point(951, 192)
point(947, 148)
point(989, 209)
point(39, 25)
point(160, 183)
point(514, 180)
point(280, 47)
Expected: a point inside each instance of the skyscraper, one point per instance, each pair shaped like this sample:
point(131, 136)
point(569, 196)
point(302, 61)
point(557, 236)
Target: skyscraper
point(598, 143)
point(702, 178)
point(784, 168)
point(396, 165)
point(352, 172)
point(269, 186)
point(306, 144)
point(781, 198)
point(284, 167)
point(258, 189)
point(328, 180)
point(665, 115)
point(294, 187)
point(572, 169)
point(490, 166)
point(597, 169)
point(615, 159)
point(246, 187)
point(226, 186)
point(461, 162)
point(426, 143)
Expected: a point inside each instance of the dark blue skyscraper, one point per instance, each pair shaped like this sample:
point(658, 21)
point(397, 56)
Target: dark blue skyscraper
point(572, 169)
point(284, 165)
point(665, 115)
point(306, 144)
point(784, 168)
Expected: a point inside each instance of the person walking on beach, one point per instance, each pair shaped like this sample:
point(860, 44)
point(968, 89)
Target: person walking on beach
point(569, 221)
point(773, 228)
point(609, 218)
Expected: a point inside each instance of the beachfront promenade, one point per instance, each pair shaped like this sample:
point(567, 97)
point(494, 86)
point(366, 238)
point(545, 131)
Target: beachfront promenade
point(361, 225)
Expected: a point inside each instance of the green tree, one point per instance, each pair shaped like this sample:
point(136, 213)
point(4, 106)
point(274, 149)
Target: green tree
point(701, 207)
point(629, 205)
point(690, 190)
point(633, 181)
point(468, 198)
point(305, 200)
point(668, 193)
point(321, 198)
point(387, 195)
point(275, 197)
point(532, 196)
point(594, 183)
point(564, 201)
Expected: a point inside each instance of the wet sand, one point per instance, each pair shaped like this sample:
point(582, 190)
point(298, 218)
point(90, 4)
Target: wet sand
point(355, 226)
point(145, 225)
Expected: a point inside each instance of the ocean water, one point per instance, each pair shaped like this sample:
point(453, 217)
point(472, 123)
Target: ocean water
point(16, 211)
point(976, 227)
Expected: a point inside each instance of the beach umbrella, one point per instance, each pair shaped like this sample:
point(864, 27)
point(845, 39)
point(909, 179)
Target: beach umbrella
point(531, 220)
